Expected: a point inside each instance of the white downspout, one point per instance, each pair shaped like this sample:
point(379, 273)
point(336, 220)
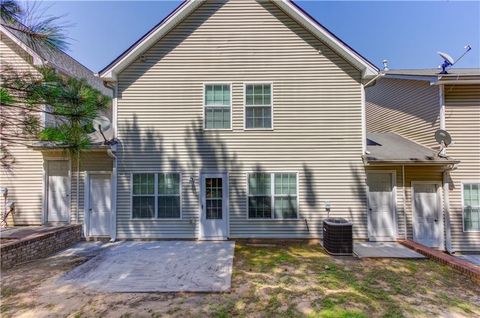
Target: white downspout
point(446, 183)
point(404, 203)
point(364, 121)
point(112, 153)
point(446, 209)
point(78, 188)
point(113, 228)
point(442, 112)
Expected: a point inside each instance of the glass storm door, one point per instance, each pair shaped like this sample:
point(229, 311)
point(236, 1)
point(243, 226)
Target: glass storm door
point(213, 206)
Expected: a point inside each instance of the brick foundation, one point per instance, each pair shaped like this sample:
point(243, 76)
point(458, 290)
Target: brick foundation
point(456, 263)
point(38, 245)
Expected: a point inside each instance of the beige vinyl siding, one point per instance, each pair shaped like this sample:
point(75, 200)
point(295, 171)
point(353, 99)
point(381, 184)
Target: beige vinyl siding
point(407, 107)
point(316, 119)
point(24, 179)
point(404, 207)
point(462, 120)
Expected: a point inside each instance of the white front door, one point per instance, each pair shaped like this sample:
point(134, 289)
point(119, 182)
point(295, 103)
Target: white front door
point(427, 214)
point(58, 191)
point(99, 204)
point(213, 206)
point(381, 206)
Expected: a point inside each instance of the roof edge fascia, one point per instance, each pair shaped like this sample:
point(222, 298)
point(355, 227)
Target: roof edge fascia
point(37, 59)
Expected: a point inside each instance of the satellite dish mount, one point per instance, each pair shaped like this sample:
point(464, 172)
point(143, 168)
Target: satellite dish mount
point(449, 61)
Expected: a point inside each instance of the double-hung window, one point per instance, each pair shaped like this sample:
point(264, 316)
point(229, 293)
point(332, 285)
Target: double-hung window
point(272, 195)
point(143, 195)
point(217, 105)
point(471, 207)
point(156, 195)
point(168, 195)
point(258, 106)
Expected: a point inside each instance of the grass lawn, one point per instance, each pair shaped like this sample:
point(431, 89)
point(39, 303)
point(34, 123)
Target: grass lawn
point(294, 280)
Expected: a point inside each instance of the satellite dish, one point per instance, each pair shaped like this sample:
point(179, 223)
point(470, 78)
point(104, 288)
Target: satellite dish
point(443, 138)
point(446, 58)
point(449, 61)
point(101, 123)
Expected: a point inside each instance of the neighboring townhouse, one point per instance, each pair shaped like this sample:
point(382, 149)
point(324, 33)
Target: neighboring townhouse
point(435, 198)
point(45, 184)
point(238, 119)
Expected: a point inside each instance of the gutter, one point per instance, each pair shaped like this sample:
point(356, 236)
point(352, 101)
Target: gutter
point(78, 189)
point(409, 163)
point(369, 83)
point(113, 226)
point(112, 152)
point(404, 199)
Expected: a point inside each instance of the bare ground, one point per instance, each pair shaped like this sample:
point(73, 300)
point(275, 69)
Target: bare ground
point(291, 280)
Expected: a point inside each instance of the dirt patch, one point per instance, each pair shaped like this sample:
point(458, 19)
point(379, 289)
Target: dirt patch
point(268, 281)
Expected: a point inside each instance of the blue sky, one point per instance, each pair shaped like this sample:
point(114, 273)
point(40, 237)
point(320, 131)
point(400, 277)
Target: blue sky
point(407, 33)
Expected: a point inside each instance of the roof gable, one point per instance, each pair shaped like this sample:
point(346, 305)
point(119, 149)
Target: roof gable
point(187, 7)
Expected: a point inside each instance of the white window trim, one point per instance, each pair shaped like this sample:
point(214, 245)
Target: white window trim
point(204, 106)
point(155, 195)
point(272, 195)
point(245, 105)
point(463, 182)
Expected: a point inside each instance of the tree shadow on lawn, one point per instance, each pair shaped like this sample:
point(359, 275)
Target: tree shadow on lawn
point(346, 287)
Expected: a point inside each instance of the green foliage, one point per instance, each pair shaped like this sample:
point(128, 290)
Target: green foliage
point(72, 105)
point(5, 97)
point(39, 31)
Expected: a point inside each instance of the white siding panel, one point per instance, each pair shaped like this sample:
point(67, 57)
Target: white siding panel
point(24, 179)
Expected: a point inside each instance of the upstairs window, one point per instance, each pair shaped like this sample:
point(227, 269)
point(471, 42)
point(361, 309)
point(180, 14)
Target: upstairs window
point(471, 207)
point(272, 195)
point(258, 106)
point(217, 105)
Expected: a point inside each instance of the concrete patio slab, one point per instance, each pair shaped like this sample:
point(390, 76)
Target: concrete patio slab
point(471, 258)
point(164, 266)
point(383, 250)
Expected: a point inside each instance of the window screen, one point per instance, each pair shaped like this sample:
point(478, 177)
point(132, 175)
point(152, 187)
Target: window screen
point(217, 106)
point(258, 106)
point(471, 206)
